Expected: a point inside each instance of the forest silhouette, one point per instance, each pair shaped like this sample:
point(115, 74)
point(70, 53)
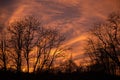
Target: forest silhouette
point(29, 51)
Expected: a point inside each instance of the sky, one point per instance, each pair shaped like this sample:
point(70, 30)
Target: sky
point(72, 16)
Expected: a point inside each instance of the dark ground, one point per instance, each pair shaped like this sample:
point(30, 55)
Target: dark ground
point(8, 75)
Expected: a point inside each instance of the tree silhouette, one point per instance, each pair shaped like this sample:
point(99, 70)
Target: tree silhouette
point(30, 36)
point(104, 46)
point(49, 47)
point(3, 49)
point(16, 31)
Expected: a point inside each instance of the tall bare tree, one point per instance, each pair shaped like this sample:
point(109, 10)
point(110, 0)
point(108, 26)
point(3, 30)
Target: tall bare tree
point(3, 49)
point(30, 36)
point(24, 34)
point(104, 44)
point(16, 31)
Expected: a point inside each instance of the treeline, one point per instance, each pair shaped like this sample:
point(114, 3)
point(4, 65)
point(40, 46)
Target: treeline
point(26, 43)
point(28, 46)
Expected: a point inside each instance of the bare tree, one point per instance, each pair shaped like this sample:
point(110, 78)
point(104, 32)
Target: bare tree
point(104, 46)
point(3, 50)
point(24, 34)
point(27, 36)
point(30, 36)
point(16, 31)
point(49, 47)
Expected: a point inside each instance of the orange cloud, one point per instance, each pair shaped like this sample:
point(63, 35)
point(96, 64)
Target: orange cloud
point(77, 39)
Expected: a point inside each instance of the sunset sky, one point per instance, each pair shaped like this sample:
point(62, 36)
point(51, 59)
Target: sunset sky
point(72, 16)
